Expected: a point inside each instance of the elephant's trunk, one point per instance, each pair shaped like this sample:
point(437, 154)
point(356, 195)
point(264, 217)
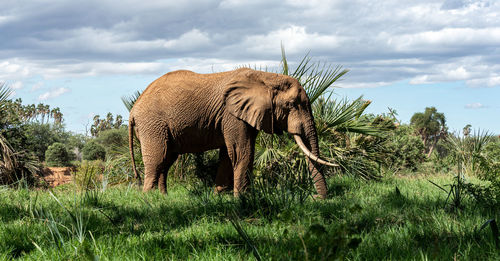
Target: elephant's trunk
point(311, 137)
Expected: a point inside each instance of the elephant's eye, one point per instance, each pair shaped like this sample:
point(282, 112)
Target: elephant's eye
point(289, 104)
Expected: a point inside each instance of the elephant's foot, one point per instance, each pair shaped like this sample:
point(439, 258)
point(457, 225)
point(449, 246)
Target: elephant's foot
point(221, 189)
point(236, 194)
point(318, 196)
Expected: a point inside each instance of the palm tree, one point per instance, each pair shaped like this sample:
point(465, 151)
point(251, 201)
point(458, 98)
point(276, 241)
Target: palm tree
point(52, 114)
point(109, 123)
point(118, 121)
point(13, 165)
point(31, 112)
point(334, 119)
point(466, 130)
point(94, 129)
point(470, 151)
point(47, 112)
point(57, 115)
point(39, 111)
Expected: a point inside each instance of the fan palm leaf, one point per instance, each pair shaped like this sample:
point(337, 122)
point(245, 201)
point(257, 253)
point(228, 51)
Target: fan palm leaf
point(129, 101)
point(316, 77)
point(5, 92)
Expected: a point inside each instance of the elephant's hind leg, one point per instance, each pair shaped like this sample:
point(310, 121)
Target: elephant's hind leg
point(225, 178)
point(154, 154)
point(162, 180)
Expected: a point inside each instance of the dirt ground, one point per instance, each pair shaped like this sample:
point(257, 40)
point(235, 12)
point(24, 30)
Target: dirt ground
point(55, 176)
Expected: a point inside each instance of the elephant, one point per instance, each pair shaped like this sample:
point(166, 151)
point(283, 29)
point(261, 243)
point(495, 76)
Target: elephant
point(186, 112)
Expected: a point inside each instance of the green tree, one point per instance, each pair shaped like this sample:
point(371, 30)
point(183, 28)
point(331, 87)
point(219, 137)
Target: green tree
point(404, 149)
point(100, 125)
point(14, 165)
point(115, 141)
point(93, 151)
point(38, 137)
point(466, 130)
point(57, 155)
point(431, 126)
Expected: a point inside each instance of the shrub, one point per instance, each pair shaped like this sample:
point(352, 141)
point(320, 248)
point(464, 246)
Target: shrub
point(407, 150)
point(38, 137)
point(93, 151)
point(115, 141)
point(492, 150)
point(57, 155)
point(89, 175)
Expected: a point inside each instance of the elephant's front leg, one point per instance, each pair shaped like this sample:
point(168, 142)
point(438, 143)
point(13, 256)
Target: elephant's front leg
point(241, 152)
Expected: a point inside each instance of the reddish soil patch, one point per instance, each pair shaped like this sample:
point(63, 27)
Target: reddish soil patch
point(55, 176)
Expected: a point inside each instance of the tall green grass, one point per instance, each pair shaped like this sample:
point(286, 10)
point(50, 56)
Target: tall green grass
point(400, 219)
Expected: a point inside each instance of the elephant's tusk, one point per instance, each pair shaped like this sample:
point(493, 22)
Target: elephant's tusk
point(309, 154)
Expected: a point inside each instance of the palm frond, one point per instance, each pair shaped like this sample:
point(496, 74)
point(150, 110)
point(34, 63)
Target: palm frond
point(129, 101)
point(343, 116)
point(268, 150)
point(5, 93)
point(7, 155)
point(315, 77)
point(469, 150)
point(284, 62)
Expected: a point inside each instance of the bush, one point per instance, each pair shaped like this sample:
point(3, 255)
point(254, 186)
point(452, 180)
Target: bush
point(492, 150)
point(93, 151)
point(56, 155)
point(89, 175)
point(38, 137)
point(407, 150)
point(115, 141)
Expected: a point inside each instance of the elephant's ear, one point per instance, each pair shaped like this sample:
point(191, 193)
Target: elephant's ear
point(250, 100)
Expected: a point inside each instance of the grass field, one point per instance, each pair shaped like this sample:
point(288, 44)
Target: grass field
point(394, 219)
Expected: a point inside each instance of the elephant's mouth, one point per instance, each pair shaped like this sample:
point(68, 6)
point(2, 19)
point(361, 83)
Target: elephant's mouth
point(278, 131)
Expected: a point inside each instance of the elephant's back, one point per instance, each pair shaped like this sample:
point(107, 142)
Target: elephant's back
point(180, 99)
point(165, 85)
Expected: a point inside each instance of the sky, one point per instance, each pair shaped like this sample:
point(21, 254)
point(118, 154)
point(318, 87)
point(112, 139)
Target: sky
point(83, 56)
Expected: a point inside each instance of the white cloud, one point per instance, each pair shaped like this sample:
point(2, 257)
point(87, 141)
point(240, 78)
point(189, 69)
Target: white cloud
point(420, 41)
point(56, 70)
point(230, 4)
point(13, 69)
point(36, 86)
point(189, 41)
point(16, 85)
point(296, 38)
point(5, 19)
point(492, 81)
point(53, 94)
point(475, 105)
point(92, 40)
point(219, 65)
point(445, 39)
point(473, 70)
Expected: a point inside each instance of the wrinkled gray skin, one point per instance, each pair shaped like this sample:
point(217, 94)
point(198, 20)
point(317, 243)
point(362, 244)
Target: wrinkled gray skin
point(185, 112)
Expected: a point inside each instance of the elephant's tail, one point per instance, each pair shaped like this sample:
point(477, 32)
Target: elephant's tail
point(131, 124)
